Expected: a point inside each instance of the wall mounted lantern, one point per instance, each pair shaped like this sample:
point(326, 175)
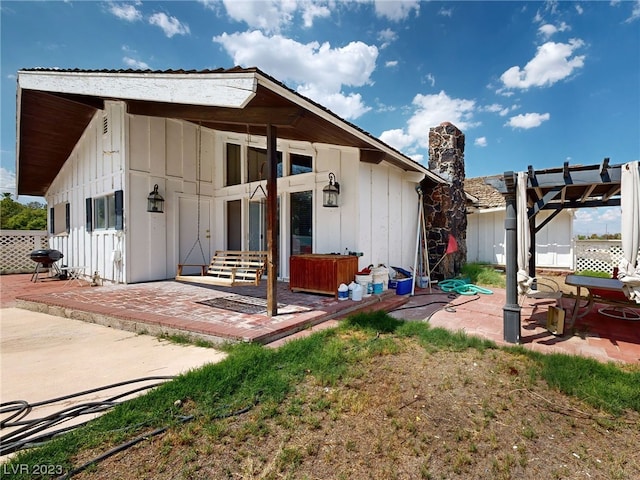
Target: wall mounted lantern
point(331, 192)
point(155, 202)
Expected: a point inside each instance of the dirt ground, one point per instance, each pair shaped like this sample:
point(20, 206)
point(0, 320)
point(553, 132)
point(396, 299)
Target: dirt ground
point(407, 413)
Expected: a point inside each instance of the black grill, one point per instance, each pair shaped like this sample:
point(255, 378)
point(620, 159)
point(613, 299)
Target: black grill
point(46, 256)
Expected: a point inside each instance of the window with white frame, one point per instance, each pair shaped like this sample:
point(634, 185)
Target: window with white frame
point(104, 212)
point(233, 164)
point(257, 164)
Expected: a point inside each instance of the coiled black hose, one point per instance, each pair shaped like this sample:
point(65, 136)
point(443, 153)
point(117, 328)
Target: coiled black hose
point(29, 432)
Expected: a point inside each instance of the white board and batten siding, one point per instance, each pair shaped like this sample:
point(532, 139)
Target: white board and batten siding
point(387, 223)
point(376, 216)
point(95, 168)
point(486, 239)
point(178, 157)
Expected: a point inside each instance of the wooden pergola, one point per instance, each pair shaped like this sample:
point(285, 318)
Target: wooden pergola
point(552, 189)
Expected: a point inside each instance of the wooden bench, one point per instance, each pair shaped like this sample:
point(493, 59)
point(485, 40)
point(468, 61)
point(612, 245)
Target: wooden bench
point(229, 268)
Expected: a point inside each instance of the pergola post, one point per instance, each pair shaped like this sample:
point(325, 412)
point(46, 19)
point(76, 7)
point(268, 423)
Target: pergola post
point(272, 224)
point(511, 309)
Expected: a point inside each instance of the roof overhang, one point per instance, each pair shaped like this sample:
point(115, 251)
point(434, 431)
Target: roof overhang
point(55, 107)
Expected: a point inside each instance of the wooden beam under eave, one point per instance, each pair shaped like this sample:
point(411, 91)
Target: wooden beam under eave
point(371, 156)
point(277, 116)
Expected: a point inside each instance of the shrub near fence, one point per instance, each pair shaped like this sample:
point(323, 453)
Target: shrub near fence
point(15, 247)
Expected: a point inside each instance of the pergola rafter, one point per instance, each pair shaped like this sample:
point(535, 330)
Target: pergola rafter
point(554, 189)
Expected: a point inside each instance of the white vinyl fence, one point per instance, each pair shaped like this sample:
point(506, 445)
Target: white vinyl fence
point(15, 247)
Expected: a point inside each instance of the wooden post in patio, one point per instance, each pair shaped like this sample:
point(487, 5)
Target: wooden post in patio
point(272, 222)
point(511, 309)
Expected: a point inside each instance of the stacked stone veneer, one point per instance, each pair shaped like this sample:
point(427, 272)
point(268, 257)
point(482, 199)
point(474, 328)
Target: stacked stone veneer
point(445, 205)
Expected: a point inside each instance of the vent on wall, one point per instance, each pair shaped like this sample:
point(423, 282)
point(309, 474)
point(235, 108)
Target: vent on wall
point(105, 124)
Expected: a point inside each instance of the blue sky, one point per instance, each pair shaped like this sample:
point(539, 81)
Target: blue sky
point(529, 83)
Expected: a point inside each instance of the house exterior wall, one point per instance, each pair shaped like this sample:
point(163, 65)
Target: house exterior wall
point(96, 167)
point(486, 239)
point(387, 216)
point(376, 216)
point(178, 157)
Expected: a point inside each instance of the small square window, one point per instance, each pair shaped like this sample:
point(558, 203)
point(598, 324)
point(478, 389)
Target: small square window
point(104, 212)
point(257, 170)
point(300, 164)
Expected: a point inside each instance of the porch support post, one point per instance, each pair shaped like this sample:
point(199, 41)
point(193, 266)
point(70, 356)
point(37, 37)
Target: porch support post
point(511, 309)
point(532, 242)
point(272, 224)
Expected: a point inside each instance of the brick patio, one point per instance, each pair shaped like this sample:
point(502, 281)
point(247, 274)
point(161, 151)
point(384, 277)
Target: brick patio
point(171, 307)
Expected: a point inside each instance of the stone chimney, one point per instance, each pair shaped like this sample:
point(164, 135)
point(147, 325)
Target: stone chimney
point(445, 205)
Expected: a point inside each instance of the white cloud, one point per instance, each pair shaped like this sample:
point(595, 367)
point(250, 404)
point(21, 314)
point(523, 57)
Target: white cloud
point(271, 16)
point(136, 64)
point(445, 12)
point(7, 180)
point(547, 30)
point(210, 4)
point(431, 111)
point(396, 10)
point(635, 12)
point(391, 63)
point(493, 108)
point(597, 220)
point(499, 109)
point(506, 110)
point(126, 11)
point(480, 142)
point(130, 60)
point(397, 138)
point(528, 120)
point(349, 106)
point(318, 70)
point(430, 79)
point(170, 25)
point(579, 9)
point(553, 62)
point(267, 15)
point(387, 36)
point(311, 11)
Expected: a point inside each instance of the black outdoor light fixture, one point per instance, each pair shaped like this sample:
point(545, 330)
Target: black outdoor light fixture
point(331, 192)
point(155, 202)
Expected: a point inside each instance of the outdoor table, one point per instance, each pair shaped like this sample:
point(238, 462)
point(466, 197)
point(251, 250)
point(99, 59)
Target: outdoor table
point(600, 286)
point(74, 274)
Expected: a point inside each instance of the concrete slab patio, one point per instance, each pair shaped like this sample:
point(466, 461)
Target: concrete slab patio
point(44, 359)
